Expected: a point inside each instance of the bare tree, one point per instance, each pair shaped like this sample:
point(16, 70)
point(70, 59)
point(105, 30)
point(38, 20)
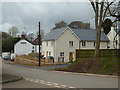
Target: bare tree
point(60, 25)
point(41, 32)
point(101, 9)
point(13, 31)
point(31, 36)
point(79, 25)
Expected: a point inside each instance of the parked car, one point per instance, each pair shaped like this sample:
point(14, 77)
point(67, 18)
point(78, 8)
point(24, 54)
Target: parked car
point(42, 56)
point(7, 57)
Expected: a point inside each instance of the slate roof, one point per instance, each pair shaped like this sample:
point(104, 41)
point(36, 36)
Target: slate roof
point(54, 34)
point(82, 34)
point(89, 35)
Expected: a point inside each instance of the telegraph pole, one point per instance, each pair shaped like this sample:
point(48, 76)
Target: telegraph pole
point(39, 38)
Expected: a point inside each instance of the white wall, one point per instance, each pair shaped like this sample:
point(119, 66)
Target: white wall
point(37, 49)
point(20, 49)
point(49, 48)
point(112, 42)
point(62, 45)
point(90, 45)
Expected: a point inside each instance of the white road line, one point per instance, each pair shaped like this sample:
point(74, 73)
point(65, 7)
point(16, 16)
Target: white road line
point(27, 78)
point(71, 87)
point(36, 81)
point(57, 86)
point(55, 83)
point(47, 83)
point(31, 80)
point(63, 86)
point(43, 82)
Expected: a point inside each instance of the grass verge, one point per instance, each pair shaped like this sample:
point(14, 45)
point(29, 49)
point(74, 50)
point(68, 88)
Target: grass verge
point(106, 66)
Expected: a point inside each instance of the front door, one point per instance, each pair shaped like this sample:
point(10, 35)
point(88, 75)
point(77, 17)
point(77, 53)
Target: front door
point(46, 54)
point(70, 56)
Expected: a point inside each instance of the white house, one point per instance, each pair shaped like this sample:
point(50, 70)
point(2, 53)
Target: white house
point(61, 43)
point(114, 37)
point(24, 47)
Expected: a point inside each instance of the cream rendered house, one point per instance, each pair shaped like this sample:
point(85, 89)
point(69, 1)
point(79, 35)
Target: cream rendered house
point(61, 43)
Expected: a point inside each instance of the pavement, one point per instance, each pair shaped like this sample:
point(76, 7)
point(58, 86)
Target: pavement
point(6, 78)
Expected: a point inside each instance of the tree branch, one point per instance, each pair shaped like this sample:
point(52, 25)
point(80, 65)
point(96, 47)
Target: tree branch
point(107, 7)
point(93, 5)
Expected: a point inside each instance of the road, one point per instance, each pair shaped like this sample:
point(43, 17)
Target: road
point(60, 79)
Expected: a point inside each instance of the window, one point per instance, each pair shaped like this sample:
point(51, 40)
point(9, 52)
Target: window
point(23, 42)
point(32, 51)
point(47, 43)
point(83, 44)
point(52, 43)
point(49, 53)
point(33, 47)
point(94, 43)
point(70, 43)
point(62, 54)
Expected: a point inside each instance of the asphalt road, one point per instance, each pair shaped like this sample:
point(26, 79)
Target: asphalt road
point(61, 80)
point(25, 84)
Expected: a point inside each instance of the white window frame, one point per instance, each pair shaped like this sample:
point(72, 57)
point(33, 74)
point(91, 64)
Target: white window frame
point(52, 43)
point(62, 54)
point(83, 44)
point(71, 43)
point(46, 43)
point(49, 53)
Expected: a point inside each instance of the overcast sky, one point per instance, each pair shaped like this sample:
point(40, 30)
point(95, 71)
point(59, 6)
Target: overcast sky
point(28, 14)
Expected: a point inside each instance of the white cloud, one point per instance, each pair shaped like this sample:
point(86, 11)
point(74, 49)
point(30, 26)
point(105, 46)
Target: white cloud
point(28, 14)
point(5, 27)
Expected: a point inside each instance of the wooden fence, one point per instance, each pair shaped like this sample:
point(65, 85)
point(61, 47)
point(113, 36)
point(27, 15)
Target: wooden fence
point(103, 53)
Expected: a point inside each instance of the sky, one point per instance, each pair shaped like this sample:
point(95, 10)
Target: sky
point(28, 14)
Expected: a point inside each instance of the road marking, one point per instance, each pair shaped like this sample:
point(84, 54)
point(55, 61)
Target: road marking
point(71, 87)
point(55, 83)
point(47, 83)
point(43, 82)
point(36, 81)
point(27, 78)
point(31, 80)
point(63, 85)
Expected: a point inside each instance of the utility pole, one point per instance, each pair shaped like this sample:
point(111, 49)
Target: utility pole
point(39, 38)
